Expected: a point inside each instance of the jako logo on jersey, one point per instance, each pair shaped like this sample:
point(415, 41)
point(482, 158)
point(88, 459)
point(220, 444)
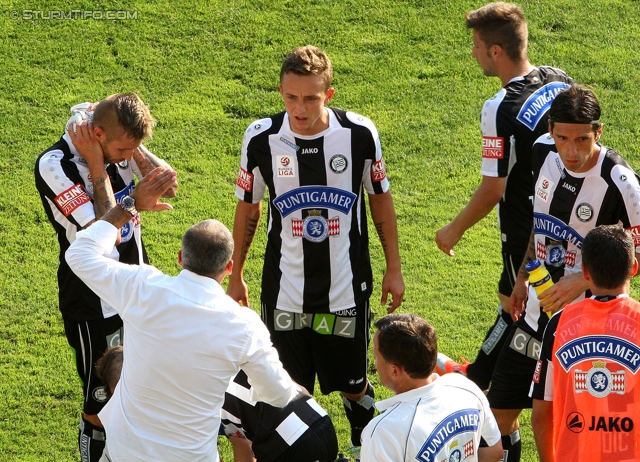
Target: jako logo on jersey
point(289, 143)
point(309, 151)
point(307, 197)
point(493, 147)
point(245, 180)
point(611, 424)
point(597, 347)
point(465, 420)
point(72, 198)
point(537, 105)
point(378, 171)
point(575, 422)
point(568, 186)
point(556, 229)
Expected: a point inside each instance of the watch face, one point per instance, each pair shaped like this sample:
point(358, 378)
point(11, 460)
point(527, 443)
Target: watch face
point(128, 202)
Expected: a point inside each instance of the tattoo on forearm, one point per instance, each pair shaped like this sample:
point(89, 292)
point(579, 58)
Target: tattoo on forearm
point(145, 160)
point(250, 226)
point(103, 199)
point(531, 252)
point(379, 229)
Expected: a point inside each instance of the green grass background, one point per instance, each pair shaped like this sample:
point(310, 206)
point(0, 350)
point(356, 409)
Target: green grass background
point(207, 69)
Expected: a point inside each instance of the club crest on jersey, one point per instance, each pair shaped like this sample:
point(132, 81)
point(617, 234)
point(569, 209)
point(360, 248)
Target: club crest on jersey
point(72, 198)
point(378, 171)
point(493, 147)
point(556, 229)
point(537, 105)
point(446, 433)
point(245, 180)
point(315, 227)
point(555, 255)
point(584, 212)
point(312, 197)
point(286, 166)
point(599, 347)
point(543, 188)
point(338, 163)
point(599, 381)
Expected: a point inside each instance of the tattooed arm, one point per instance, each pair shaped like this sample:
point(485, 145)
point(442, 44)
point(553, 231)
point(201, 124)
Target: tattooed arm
point(521, 285)
point(384, 219)
point(89, 148)
point(147, 161)
point(244, 229)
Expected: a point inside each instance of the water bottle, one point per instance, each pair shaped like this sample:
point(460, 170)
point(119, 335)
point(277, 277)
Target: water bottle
point(539, 278)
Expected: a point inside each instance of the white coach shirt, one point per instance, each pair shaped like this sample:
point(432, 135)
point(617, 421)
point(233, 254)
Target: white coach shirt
point(440, 421)
point(184, 341)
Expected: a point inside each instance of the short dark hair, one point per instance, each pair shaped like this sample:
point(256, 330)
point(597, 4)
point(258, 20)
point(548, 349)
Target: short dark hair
point(124, 111)
point(607, 253)
point(501, 24)
point(207, 248)
point(408, 341)
point(575, 105)
point(109, 367)
point(308, 60)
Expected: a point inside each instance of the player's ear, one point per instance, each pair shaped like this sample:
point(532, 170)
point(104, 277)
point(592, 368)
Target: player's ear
point(634, 270)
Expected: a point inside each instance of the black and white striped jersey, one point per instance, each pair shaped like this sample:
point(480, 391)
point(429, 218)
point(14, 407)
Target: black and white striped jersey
point(317, 255)
point(64, 184)
point(511, 121)
point(271, 430)
point(567, 205)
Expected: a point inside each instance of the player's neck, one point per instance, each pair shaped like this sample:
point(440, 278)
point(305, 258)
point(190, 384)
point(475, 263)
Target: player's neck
point(511, 69)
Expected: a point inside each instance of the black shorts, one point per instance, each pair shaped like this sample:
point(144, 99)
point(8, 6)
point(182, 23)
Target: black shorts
point(332, 345)
point(511, 263)
point(318, 444)
point(89, 340)
point(513, 373)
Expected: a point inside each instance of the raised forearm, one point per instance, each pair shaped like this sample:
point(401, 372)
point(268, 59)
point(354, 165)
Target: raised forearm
point(147, 161)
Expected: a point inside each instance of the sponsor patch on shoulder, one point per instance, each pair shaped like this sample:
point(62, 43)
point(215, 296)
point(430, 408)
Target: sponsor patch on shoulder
point(635, 233)
point(72, 198)
point(245, 180)
point(536, 373)
point(492, 147)
point(378, 171)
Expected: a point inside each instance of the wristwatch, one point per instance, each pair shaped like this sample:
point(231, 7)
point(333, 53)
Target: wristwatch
point(129, 204)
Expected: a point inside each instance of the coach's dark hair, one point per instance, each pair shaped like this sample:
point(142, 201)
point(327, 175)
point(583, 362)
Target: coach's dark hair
point(207, 248)
point(124, 111)
point(109, 367)
point(408, 341)
point(608, 252)
point(501, 24)
point(308, 60)
point(575, 105)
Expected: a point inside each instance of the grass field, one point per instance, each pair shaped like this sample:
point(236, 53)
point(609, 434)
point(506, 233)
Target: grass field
point(207, 69)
